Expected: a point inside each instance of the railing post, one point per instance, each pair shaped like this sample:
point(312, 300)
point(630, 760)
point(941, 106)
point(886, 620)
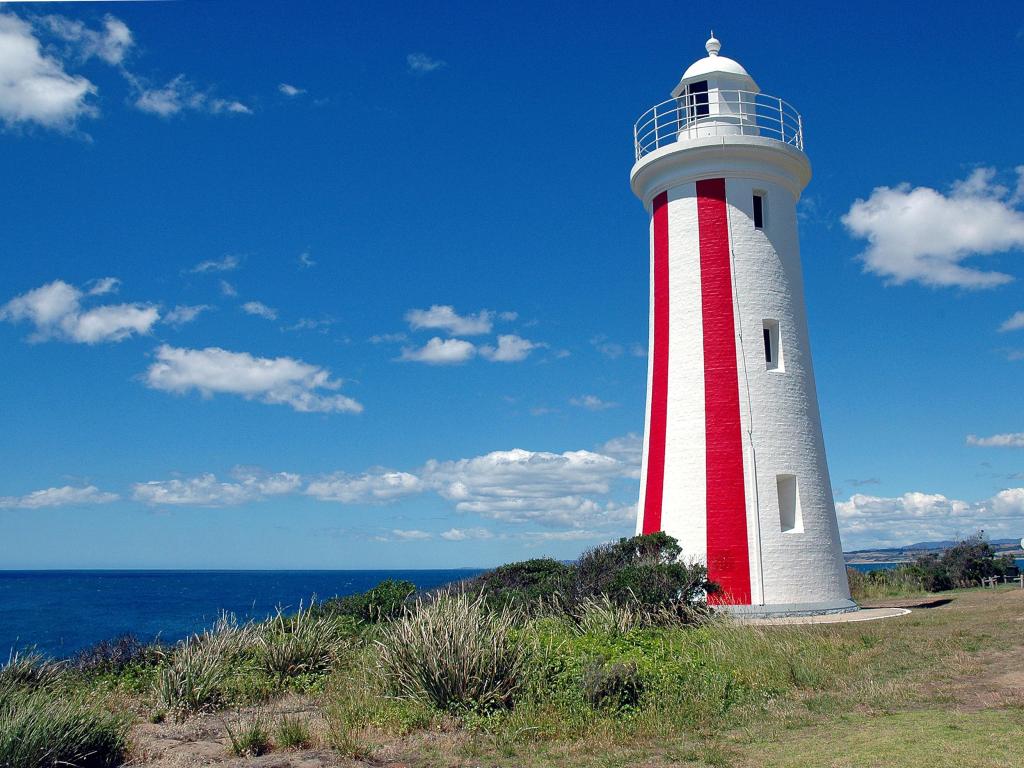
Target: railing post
point(782, 123)
point(800, 131)
point(636, 143)
point(656, 141)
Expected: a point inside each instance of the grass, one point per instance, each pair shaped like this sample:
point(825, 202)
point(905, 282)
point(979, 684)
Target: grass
point(455, 682)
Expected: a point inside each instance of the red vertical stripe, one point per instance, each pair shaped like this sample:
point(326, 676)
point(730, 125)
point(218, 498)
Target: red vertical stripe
point(659, 372)
point(728, 558)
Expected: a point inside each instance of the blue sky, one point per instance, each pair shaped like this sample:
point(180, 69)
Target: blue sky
point(312, 285)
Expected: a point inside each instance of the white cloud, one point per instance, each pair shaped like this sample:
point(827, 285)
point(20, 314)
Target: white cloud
point(180, 95)
point(110, 43)
point(259, 309)
point(103, 286)
point(446, 318)
point(1007, 440)
point(629, 449)
point(421, 63)
point(413, 535)
point(466, 534)
point(610, 349)
point(387, 338)
point(280, 380)
point(185, 313)
point(592, 403)
point(382, 486)
point(34, 87)
point(510, 349)
point(55, 311)
point(920, 234)
point(509, 316)
point(290, 90)
point(521, 485)
point(227, 288)
point(206, 491)
point(226, 264)
point(65, 496)
point(873, 521)
point(440, 351)
point(305, 260)
point(1014, 323)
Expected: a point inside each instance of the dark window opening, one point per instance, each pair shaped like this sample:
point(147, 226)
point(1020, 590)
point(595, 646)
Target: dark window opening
point(699, 99)
point(759, 211)
point(768, 345)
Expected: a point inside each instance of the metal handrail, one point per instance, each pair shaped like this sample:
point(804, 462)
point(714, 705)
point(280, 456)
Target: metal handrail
point(717, 112)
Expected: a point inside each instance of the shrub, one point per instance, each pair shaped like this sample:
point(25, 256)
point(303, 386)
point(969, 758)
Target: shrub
point(305, 643)
point(456, 653)
point(385, 601)
point(192, 680)
point(117, 654)
point(39, 729)
point(525, 584)
point(28, 669)
point(612, 686)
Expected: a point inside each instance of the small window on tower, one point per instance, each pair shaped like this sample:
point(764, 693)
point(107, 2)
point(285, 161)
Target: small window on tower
point(759, 210)
point(790, 517)
point(772, 345)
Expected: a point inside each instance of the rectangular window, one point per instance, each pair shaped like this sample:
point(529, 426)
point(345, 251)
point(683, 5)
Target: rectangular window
point(789, 504)
point(772, 345)
point(698, 98)
point(758, 210)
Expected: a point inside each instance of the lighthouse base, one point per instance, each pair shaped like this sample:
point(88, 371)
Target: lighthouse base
point(783, 610)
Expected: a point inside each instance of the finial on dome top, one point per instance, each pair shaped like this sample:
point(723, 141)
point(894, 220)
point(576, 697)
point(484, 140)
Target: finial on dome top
point(712, 46)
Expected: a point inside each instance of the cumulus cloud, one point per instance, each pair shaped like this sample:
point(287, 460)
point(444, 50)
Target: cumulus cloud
point(522, 486)
point(111, 42)
point(206, 491)
point(1007, 440)
point(446, 318)
point(290, 90)
point(103, 286)
point(440, 351)
point(228, 263)
point(183, 314)
point(56, 312)
point(421, 63)
point(1014, 323)
point(277, 381)
point(34, 87)
point(65, 496)
point(180, 95)
point(369, 487)
point(259, 309)
point(874, 521)
point(918, 234)
point(510, 349)
point(591, 403)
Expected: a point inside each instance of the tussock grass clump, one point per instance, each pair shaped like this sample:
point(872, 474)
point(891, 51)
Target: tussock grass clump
point(308, 642)
point(292, 733)
point(28, 669)
point(250, 736)
point(41, 729)
point(192, 680)
point(456, 653)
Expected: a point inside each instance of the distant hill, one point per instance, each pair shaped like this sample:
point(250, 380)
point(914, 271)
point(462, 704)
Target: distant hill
point(908, 551)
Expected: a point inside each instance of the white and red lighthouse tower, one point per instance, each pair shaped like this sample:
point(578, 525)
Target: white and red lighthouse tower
point(734, 462)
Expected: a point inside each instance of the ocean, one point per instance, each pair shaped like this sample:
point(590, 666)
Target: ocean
point(63, 612)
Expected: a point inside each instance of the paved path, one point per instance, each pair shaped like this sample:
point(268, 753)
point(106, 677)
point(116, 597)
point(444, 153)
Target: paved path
point(864, 614)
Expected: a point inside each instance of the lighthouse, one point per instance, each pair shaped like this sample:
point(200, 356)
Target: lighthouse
point(734, 461)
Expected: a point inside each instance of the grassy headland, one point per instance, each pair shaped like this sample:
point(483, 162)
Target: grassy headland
point(609, 662)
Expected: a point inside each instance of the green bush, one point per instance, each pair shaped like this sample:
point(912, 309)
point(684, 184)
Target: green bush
point(193, 679)
point(456, 653)
point(385, 601)
point(612, 686)
point(526, 584)
point(41, 729)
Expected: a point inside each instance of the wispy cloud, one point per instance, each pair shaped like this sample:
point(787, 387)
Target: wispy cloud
point(444, 317)
point(1006, 440)
point(290, 90)
point(259, 309)
point(592, 403)
point(182, 314)
point(421, 63)
point(228, 263)
point(1014, 323)
point(65, 496)
point(180, 95)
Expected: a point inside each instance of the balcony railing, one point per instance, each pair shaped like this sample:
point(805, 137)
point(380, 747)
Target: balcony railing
point(717, 113)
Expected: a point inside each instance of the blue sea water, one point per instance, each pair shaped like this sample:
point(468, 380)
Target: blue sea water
point(62, 612)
